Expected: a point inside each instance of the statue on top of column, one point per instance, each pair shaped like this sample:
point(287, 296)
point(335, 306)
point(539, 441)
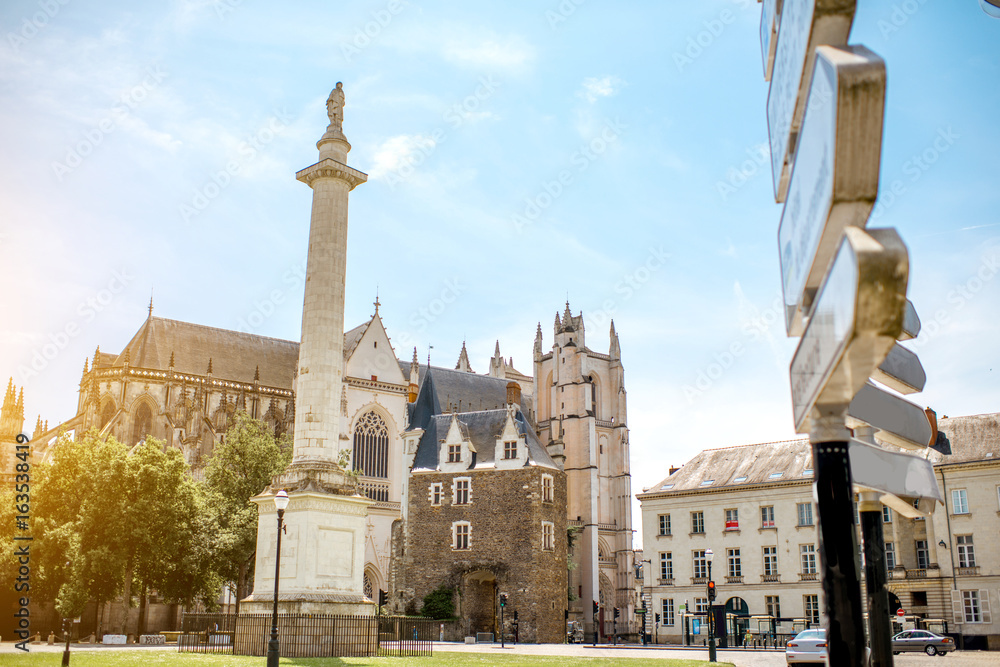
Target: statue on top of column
point(335, 108)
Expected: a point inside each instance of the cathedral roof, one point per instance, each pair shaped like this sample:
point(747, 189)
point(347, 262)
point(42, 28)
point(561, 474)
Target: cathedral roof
point(234, 354)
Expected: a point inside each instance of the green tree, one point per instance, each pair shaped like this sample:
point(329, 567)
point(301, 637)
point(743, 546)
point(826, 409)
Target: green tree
point(81, 520)
point(439, 603)
point(241, 467)
point(170, 543)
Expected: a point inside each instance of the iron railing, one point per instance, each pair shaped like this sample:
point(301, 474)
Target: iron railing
point(308, 635)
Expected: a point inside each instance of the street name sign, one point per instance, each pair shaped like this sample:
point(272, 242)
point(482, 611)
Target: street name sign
point(835, 177)
point(901, 371)
point(769, 14)
point(896, 473)
point(855, 322)
point(911, 322)
point(898, 421)
point(802, 26)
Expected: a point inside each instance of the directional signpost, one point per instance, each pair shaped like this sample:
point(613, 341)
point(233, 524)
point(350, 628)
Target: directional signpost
point(857, 317)
point(802, 26)
point(845, 294)
point(835, 179)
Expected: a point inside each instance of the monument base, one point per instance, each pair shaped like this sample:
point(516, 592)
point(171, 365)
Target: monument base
point(308, 628)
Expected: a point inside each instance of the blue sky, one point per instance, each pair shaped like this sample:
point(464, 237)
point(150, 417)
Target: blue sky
point(517, 154)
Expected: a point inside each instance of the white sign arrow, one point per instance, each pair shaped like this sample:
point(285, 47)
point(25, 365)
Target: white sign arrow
point(835, 179)
point(769, 14)
point(911, 322)
point(895, 473)
point(901, 371)
point(856, 320)
point(899, 422)
point(803, 25)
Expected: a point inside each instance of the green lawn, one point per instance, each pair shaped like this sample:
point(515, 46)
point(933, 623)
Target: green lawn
point(124, 658)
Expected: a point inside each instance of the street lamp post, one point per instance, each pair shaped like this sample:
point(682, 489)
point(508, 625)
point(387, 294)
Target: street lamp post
point(281, 502)
point(68, 629)
point(709, 555)
point(646, 583)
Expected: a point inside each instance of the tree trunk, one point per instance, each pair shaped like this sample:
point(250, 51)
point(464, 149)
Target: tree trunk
point(126, 599)
point(98, 633)
point(141, 629)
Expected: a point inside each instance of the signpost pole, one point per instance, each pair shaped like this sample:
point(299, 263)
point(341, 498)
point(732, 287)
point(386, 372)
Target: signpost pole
point(837, 551)
point(873, 539)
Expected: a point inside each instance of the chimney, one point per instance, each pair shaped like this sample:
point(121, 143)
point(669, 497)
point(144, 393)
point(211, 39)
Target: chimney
point(672, 471)
point(513, 393)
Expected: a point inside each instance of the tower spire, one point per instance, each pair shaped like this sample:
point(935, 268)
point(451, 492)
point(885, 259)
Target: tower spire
point(463, 360)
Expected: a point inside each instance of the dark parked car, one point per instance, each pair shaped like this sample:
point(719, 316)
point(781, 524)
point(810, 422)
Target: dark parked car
point(929, 642)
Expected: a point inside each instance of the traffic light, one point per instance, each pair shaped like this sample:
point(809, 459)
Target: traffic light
point(595, 609)
point(711, 590)
point(616, 612)
point(503, 599)
point(383, 598)
point(657, 614)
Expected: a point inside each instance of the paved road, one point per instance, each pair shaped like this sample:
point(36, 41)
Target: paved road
point(738, 658)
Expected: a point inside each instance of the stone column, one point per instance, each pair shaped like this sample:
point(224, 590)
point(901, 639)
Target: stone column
point(322, 559)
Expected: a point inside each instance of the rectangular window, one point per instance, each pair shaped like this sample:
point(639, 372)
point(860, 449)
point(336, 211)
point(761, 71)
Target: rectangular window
point(461, 531)
point(886, 514)
point(771, 562)
point(923, 556)
point(966, 551)
point(734, 562)
point(772, 605)
point(805, 514)
point(547, 489)
point(700, 564)
point(701, 606)
point(548, 536)
point(697, 522)
point(667, 605)
point(455, 453)
point(436, 493)
point(462, 492)
point(890, 555)
point(666, 565)
point(732, 519)
point(811, 605)
point(510, 450)
point(808, 553)
point(970, 602)
point(664, 524)
point(767, 517)
point(959, 502)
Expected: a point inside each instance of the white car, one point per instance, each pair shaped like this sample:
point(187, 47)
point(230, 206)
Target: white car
point(809, 648)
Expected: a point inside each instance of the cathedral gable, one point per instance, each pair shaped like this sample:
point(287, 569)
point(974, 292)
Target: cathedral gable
point(372, 356)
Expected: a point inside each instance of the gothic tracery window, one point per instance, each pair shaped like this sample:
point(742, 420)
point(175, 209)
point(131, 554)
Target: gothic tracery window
point(142, 423)
point(371, 446)
point(107, 413)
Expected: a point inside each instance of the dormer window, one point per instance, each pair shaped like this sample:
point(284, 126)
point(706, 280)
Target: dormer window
point(510, 449)
point(455, 453)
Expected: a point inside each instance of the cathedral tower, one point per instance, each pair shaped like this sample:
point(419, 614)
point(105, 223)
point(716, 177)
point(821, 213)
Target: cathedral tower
point(581, 417)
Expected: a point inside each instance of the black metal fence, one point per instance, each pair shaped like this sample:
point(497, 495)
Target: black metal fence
point(308, 635)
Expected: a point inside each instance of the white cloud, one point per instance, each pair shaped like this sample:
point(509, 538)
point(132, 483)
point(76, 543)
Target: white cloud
point(510, 53)
point(595, 88)
point(399, 153)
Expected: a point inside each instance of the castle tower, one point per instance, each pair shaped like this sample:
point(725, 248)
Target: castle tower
point(580, 407)
point(322, 554)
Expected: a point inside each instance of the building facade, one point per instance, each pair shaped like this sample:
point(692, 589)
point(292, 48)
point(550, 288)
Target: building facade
point(485, 517)
point(753, 506)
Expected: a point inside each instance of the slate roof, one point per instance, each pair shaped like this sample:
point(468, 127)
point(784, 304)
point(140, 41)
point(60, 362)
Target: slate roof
point(960, 440)
point(464, 391)
point(235, 355)
point(480, 427)
point(755, 463)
